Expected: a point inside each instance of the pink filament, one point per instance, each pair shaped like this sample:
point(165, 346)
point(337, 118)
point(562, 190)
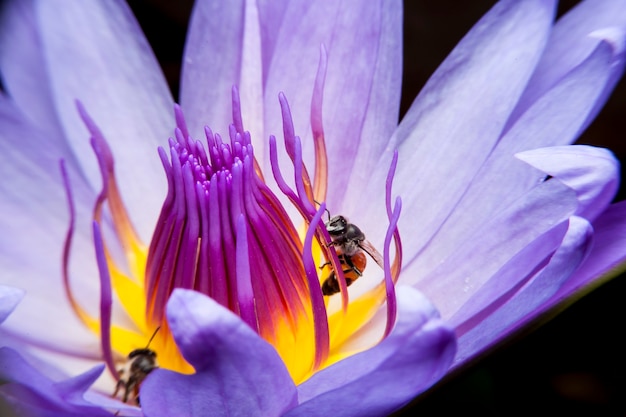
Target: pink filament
point(389, 281)
point(397, 262)
point(200, 244)
point(244, 278)
point(105, 300)
point(392, 272)
point(282, 184)
point(320, 180)
point(320, 318)
point(67, 245)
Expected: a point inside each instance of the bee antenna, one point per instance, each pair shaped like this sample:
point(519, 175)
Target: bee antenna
point(325, 209)
point(154, 334)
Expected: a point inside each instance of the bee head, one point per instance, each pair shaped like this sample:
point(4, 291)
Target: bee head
point(142, 352)
point(337, 225)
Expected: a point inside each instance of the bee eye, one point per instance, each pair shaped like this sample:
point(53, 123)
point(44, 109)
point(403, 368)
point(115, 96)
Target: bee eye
point(337, 225)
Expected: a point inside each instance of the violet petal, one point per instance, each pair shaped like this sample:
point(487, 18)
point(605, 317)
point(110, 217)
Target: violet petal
point(555, 119)
point(29, 392)
point(456, 120)
point(22, 65)
point(570, 42)
point(243, 35)
point(606, 258)
point(237, 372)
point(450, 282)
point(508, 279)
point(524, 305)
point(9, 299)
point(215, 30)
point(382, 379)
point(592, 172)
point(26, 201)
point(96, 52)
point(361, 100)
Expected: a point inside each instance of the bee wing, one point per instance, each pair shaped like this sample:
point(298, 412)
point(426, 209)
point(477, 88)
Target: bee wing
point(372, 252)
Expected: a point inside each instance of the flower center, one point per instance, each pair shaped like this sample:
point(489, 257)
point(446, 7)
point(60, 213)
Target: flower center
point(219, 223)
point(224, 233)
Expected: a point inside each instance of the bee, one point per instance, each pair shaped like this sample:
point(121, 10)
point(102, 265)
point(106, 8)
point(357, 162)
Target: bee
point(351, 246)
point(139, 364)
point(352, 267)
point(346, 237)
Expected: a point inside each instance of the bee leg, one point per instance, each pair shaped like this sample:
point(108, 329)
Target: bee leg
point(136, 394)
point(351, 266)
point(324, 264)
point(126, 392)
point(120, 384)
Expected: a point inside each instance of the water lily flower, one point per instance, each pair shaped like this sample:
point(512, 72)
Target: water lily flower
point(218, 265)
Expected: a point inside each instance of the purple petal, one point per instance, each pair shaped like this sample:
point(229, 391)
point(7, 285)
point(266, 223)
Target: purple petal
point(243, 35)
point(592, 172)
point(95, 52)
point(563, 111)
point(570, 43)
point(512, 276)
point(237, 373)
point(382, 379)
point(616, 36)
point(34, 220)
point(73, 389)
point(212, 64)
point(366, 104)
point(23, 69)
point(28, 392)
point(361, 94)
point(606, 258)
point(456, 120)
point(15, 369)
point(382, 114)
point(556, 118)
point(526, 303)
point(9, 299)
point(60, 365)
point(454, 280)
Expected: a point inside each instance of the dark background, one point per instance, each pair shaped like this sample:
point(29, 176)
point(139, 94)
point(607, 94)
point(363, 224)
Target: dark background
point(573, 365)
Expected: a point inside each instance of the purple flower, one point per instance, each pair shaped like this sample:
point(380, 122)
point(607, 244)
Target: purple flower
point(501, 219)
